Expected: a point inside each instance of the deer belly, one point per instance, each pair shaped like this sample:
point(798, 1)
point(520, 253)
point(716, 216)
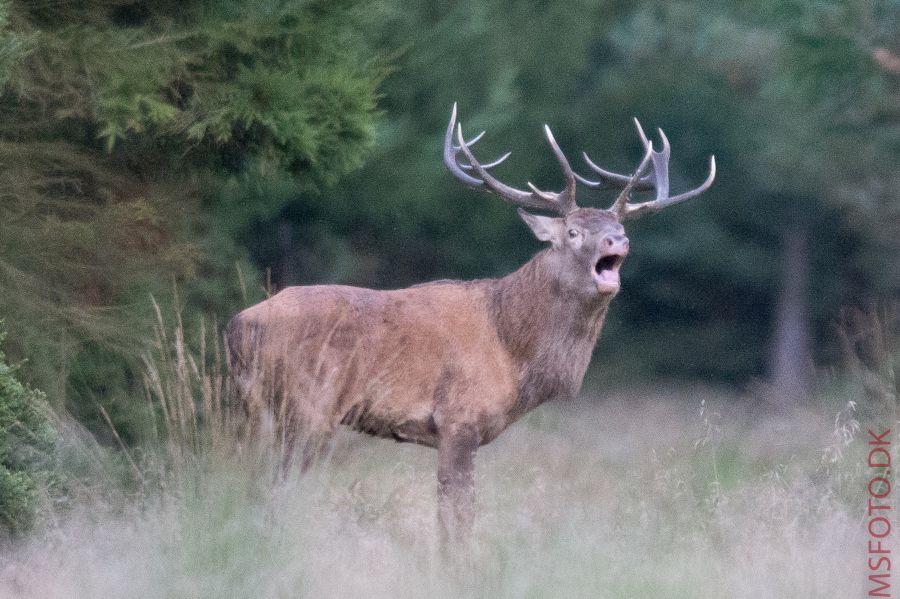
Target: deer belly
point(416, 429)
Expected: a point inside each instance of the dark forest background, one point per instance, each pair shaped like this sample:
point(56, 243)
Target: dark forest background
point(201, 152)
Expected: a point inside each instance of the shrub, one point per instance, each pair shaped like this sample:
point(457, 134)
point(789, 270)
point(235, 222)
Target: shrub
point(27, 443)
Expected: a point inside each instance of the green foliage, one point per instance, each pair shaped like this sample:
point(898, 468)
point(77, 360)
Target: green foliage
point(147, 146)
point(801, 118)
point(122, 122)
point(250, 80)
point(27, 443)
point(792, 102)
point(13, 46)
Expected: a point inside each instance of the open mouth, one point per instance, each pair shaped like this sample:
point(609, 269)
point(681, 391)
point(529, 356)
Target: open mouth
point(606, 272)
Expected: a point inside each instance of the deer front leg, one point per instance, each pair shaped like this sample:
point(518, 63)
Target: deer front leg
point(456, 482)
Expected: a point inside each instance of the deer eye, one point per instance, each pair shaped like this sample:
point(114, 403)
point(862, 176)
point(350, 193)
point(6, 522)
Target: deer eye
point(573, 233)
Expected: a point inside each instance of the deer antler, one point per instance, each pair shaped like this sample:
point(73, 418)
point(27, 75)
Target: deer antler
point(658, 180)
point(562, 202)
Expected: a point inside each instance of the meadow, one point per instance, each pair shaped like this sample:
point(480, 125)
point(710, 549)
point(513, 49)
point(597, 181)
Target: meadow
point(680, 493)
point(207, 153)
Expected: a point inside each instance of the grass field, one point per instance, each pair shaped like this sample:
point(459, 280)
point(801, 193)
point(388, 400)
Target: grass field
point(669, 495)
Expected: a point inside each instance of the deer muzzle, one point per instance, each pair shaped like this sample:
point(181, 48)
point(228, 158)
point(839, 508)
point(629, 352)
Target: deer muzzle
point(614, 248)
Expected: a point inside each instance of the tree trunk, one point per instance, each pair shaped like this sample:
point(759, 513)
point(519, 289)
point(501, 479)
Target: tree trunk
point(285, 263)
point(790, 360)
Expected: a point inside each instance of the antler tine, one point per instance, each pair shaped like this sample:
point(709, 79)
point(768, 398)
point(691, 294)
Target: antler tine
point(561, 203)
point(701, 188)
point(619, 207)
point(661, 166)
point(472, 141)
point(489, 165)
point(567, 197)
point(516, 196)
point(663, 200)
point(660, 178)
point(610, 179)
point(450, 152)
point(657, 180)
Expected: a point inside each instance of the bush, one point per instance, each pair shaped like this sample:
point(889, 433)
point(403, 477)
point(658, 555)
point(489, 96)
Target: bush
point(27, 443)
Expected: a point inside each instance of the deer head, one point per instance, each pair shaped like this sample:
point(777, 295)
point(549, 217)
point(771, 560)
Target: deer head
point(588, 244)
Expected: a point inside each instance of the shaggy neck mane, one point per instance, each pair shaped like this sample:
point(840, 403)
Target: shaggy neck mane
point(549, 332)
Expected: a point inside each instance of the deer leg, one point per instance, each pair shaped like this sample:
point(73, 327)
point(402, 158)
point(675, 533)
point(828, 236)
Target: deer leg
point(301, 447)
point(456, 482)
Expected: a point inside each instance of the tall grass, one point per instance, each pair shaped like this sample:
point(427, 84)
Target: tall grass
point(687, 493)
point(189, 396)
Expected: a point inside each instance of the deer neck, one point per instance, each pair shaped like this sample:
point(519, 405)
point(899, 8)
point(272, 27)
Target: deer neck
point(549, 332)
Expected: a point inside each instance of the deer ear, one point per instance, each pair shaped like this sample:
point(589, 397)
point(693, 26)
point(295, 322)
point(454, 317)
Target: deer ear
point(545, 228)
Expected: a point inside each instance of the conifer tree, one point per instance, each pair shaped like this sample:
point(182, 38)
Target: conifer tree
point(123, 124)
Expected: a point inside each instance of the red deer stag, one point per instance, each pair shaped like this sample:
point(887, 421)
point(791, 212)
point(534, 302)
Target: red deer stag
point(449, 364)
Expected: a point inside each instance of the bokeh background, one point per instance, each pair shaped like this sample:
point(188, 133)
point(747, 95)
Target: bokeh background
point(165, 163)
point(201, 152)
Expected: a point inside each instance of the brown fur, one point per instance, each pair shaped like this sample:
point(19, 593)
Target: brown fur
point(445, 364)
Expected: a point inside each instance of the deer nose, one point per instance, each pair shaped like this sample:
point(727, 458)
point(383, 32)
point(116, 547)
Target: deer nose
point(615, 244)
